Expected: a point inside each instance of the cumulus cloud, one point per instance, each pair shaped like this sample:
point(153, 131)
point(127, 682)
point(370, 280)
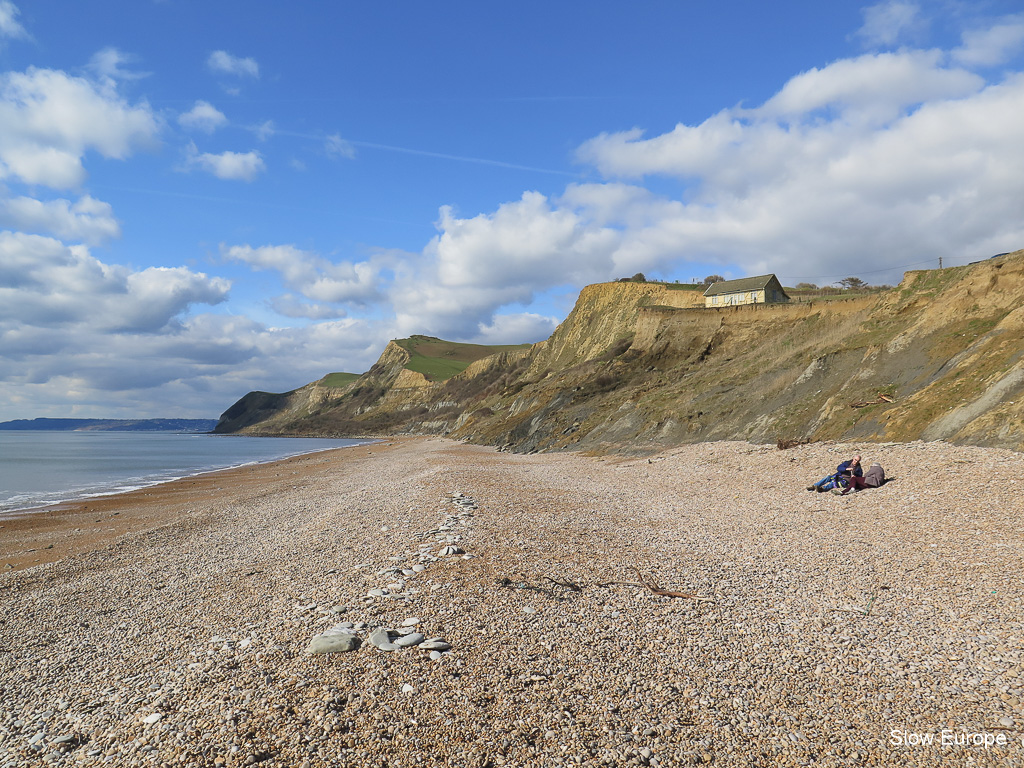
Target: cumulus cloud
point(202, 117)
point(222, 62)
point(871, 89)
point(844, 167)
point(991, 46)
point(87, 220)
point(477, 265)
point(231, 166)
point(196, 368)
point(50, 120)
point(310, 274)
point(886, 23)
point(10, 28)
point(47, 284)
point(74, 330)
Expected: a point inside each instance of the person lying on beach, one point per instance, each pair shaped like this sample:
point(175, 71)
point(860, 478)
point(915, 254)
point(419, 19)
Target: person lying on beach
point(873, 478)
point(841, 477)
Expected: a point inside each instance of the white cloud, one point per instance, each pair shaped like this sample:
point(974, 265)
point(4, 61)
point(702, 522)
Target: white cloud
point(517, 328)
point(222, 62)
point(9, 26)
point(107, 65)
point(311, 275)
point(991, 46)
point(98, 339)
point(265, 130)
point(47, 284)
point(202, 117)
point(337, 147)
point(840, 170)
point(288, 305)
point(476, 266)
point(230, 166)
point(886, 23)
point(873, 88)
point(522, 245)
point(87, 220)
point(48, 121)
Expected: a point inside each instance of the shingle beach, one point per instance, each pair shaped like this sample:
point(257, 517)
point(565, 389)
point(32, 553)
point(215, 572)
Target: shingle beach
point(504, 610)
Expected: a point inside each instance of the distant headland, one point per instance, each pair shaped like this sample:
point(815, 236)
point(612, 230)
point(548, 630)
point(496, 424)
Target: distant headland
point(110, 425)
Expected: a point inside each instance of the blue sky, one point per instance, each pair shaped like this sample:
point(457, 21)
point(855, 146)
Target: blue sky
point(200, 200)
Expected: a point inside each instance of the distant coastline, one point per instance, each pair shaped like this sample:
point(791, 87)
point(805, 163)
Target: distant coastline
point(110, 425)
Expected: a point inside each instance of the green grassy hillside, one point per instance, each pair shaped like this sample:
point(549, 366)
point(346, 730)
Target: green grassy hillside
point(338, 380)
point(439, 360)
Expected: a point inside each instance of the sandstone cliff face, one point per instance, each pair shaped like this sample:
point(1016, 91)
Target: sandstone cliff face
point(604, 315)
point(939, 357)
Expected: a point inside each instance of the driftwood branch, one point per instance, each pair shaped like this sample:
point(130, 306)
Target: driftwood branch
point(566, 584)
point(651, 585)
point(504, 581)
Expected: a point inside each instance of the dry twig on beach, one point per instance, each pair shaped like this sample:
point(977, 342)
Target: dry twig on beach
point(651, 585)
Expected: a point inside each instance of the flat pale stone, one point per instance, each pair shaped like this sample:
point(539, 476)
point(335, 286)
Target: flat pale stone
point(334, 643)
point(436, 645)
point(413, 638)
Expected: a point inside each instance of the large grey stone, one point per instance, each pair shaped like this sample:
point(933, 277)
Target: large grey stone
point(379, 637)
point(334, 643)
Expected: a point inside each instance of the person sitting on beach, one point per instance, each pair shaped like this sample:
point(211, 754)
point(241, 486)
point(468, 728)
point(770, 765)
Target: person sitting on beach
point(873, 478)
point(841, 477)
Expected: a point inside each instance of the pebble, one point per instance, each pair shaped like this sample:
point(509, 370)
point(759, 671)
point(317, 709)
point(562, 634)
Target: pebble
point(406, 641)
point(435, 645)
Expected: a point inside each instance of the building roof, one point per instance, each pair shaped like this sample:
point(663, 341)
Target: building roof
point(740, 286)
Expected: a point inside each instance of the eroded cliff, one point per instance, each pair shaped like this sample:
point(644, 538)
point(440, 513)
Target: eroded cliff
point(640, 365)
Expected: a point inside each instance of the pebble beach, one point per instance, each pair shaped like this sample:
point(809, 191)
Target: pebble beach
point(423, 602)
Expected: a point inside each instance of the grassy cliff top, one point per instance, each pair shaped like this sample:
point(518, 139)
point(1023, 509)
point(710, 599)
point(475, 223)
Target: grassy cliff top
point(338, 379)
point(439, 360)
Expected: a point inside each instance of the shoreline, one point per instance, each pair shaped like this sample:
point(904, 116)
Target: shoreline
point(82, 495)
point(49, 533)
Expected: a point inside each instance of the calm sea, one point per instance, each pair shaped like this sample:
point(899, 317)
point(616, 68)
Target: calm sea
point(38, 468)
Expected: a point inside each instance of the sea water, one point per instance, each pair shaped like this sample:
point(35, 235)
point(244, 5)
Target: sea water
point(39, 468)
